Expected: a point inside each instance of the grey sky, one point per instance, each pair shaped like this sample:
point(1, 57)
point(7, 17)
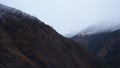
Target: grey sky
point(67, 16)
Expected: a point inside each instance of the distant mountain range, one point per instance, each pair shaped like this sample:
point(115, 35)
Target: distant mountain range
point(26, 42)
point(102, 42)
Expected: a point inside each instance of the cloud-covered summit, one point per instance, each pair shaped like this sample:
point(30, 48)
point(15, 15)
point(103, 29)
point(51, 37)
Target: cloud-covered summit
point(103, 26)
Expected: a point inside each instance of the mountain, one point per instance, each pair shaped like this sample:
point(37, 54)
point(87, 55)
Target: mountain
point(69, 35)
point(102, 43)
point(26, 42)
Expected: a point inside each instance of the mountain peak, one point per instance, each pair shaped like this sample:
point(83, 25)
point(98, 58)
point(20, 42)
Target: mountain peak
point(106, 26)
point(26, 42)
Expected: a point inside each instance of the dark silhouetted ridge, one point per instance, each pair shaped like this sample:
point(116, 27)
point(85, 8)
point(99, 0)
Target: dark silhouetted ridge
point(26, 42)
point(103, 45)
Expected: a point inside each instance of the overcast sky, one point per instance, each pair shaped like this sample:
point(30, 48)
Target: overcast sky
point(69, 16)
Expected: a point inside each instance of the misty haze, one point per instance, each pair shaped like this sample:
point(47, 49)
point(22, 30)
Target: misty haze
point(68, 16)
point(60, 34)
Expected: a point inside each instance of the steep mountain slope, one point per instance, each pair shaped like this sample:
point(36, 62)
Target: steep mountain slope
point(26, 42)
point(104, 45)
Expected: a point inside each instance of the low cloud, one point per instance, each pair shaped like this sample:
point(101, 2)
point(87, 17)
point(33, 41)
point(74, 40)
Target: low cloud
point(102, 26)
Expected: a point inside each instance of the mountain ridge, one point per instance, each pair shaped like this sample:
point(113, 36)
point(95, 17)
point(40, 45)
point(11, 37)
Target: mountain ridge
point(100, 28)
point(26, 42)
point(103, 45)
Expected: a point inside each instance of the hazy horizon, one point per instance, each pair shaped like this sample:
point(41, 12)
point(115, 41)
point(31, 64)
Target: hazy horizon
point(69, 16)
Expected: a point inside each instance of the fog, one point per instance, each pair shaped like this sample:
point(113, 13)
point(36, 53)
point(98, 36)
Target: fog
point(70, 16)
point(105, 26)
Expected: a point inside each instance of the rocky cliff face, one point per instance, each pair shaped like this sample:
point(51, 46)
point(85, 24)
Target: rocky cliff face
point(26, 42)
point(105, 46)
